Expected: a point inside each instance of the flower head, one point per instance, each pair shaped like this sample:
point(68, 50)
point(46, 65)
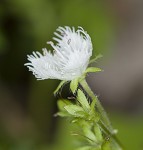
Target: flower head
point(69, 59)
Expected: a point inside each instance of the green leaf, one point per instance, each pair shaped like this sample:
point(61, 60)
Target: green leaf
point(83, 100)
point(106, 146)
point(85, 148)
point(94, 59)
point(92, 69)
point(59, 86)
point(75, 110)
point(87, 129)
point(74, 85)
point(63, 114)
point(89, 148)
point(93, 103)
point(98, 132)
point(62, 103)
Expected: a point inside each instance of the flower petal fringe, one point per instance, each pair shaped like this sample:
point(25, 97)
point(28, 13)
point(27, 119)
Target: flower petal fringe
point(69, 59)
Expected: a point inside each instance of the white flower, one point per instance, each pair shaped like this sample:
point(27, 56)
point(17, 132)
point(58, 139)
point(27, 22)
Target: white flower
point(70, 57)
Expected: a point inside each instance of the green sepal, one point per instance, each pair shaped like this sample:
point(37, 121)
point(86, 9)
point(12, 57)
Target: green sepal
point(94, 59)
point(74, 85)
point(59, 86)
point(75, 111)
point(83, 100)
point(92, 69)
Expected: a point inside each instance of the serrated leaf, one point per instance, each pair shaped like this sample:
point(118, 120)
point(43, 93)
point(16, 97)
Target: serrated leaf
point(75, 110)
point(94, 59)
point(59, 86)
point(92, 69)
point(74, 85)
point(83, 100)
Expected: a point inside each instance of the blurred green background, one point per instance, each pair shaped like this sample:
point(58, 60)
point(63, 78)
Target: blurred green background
point(27, 106)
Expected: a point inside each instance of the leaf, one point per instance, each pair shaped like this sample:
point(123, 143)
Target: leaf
point(89, 148)
point(63, 114)
point(59, 86)
point(75, 110)
point(85, 148)
point(92, 69)
point(87, 129)
point(74, 85)
point(98, 132)
point(83, 100)
point(106, 146)
point(62, 103)
point(94, 59)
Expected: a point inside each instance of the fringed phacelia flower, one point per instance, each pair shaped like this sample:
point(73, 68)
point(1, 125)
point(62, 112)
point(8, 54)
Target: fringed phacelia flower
point(69, 59)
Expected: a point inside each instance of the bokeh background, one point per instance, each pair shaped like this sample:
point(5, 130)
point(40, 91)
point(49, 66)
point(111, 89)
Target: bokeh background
point(27, 106)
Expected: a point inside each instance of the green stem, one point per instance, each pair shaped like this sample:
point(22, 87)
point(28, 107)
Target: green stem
point(104, 120)
point(96, 102)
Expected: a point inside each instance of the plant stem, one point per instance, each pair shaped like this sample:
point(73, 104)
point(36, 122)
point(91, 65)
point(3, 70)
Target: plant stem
point(104, 120)
point(98, 104)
